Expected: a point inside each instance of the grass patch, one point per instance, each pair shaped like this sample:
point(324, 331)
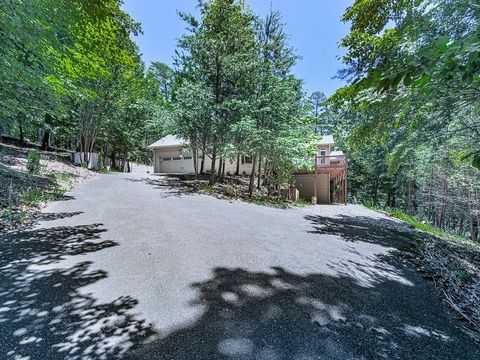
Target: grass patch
point(10, 214)
point(207, 188)
point(417, 224)
point(426, 227)
point(65, 176)
point(36, 196)
point(278, 202)
point(301, 203)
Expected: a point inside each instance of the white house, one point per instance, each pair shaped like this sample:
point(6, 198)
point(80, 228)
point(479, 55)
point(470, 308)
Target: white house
point(328, 183)
point(172, 155)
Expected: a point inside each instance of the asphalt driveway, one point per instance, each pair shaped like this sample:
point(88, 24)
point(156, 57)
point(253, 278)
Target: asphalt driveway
point(130, 266)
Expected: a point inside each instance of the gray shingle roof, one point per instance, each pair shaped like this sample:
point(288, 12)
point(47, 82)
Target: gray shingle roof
point(167, 141)
point(326, 139)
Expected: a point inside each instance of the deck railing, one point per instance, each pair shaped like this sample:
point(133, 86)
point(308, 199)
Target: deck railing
point(337, 167)
point(331, 161)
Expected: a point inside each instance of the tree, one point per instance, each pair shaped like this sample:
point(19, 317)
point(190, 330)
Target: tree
point(165, 77)
point(219, 52)
point(414, 94)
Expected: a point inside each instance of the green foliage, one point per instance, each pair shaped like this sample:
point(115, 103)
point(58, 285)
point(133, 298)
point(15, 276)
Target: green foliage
point(36, 196)
point(423, 226)
point(411, 111)
point(33, 162)
point(207, 188)
point(236, 93)
point(11, 215)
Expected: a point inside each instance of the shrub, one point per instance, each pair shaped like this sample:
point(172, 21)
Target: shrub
point(230, 191)
point(33, 162)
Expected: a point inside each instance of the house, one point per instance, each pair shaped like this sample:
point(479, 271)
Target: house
point(172, 155)
point(327, 183)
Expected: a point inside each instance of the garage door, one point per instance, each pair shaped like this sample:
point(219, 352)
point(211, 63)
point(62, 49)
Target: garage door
point(176, 164)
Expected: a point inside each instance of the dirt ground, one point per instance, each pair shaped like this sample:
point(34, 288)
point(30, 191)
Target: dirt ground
point(22, 192)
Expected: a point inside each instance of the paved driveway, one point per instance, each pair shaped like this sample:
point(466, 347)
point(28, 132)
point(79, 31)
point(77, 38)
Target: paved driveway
point(130, 266)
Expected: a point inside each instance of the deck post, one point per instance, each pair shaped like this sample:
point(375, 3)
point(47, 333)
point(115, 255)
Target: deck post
point(315, 181)
point(346, 177)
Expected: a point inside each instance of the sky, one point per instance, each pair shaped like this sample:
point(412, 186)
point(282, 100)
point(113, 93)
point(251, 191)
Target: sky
point(314, 27)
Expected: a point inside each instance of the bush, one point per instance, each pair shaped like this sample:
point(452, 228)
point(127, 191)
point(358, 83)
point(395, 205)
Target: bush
point(33, 162)
point(230, 191)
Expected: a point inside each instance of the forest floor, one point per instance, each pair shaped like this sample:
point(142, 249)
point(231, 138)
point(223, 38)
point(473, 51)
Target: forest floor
point(232, 188)
point(22, 194)
point(454, 269)
point(452, 263)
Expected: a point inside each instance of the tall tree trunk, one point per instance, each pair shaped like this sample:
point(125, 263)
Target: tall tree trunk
point(202, 163)
point(259, 176)
point(21, 119)
point(195, 161)
point(252, 176)
point(441, 218)
point(430, 197)
point(237, 170)
point(473, 219)
point(46, 140)
point(212, 167)
point(204, 146)
point(409, 195)
point(220, 164)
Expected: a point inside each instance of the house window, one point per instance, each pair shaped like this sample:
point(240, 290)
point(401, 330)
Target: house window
point(167, 159)
point(247, 159)
point(323, 152)
point(187, 158)
point(177, 158)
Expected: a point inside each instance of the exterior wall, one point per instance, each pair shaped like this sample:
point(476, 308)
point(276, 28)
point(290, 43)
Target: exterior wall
point(185, 166)
point(173, 165)
point(304, 183)
point(320, 149)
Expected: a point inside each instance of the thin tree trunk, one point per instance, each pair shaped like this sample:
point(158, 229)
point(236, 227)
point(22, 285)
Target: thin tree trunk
point(202, 164)
point(441, 218)
point(473, 219)
point(430, 197)
point(252, 176)
point(237, 170)
point(259, 176)
point(212, 167)
point(46, 140)
point(220, 164)
point(195, 163)
point(21, 119)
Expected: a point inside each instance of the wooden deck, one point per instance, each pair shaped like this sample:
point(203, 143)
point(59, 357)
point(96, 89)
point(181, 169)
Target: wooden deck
point(337, 167)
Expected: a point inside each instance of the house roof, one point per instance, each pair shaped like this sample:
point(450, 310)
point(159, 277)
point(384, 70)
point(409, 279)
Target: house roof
point(336, 153)
point(168, 141)
point(326, 140)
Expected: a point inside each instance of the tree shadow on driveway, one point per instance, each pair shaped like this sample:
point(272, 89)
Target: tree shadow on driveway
point(282, 315)
point(170, 185)
point(365, 229)
point(43, 314)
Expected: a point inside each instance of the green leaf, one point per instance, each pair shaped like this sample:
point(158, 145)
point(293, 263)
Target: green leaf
point(476, 161)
